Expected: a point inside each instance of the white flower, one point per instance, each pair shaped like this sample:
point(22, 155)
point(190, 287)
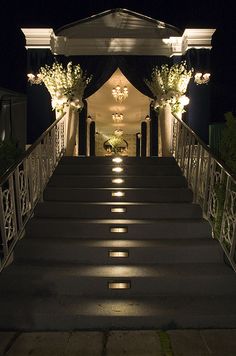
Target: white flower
point(66, 85)
point(169, 84)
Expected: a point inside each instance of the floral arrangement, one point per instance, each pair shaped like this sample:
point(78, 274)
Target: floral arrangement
point(169, 84)
point(66, 85)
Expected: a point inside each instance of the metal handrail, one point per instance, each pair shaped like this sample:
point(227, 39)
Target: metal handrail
point(22, 185)
point(29, 150)
point(212, 183)
point(207, 148)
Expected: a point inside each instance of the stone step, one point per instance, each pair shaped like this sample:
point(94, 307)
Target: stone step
point(143, 161)
point(129, 194)
point(74, 313)
point(119, 228)
point(111, 210)
point(146, 251)
point(144, 280)
point(80, 181)
point(99, 169)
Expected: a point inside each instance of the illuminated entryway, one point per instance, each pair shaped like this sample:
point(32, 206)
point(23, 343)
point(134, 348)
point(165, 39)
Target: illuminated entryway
point(102, 105)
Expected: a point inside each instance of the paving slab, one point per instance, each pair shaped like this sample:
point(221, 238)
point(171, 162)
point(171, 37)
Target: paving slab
point(84, 343)
point(40, 344)
point(133, 343)
point(188, 343)
point(220, 342)
point(5, 339)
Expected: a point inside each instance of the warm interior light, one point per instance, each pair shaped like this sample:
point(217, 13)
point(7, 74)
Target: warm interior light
point(117, 160)
point(117, 118)
point(119, 230)
point(120, 94)
point(118, 194)
point(118, 210)
point(118, 254)
point(119, 285)
point(117, 180)
point(117, 169)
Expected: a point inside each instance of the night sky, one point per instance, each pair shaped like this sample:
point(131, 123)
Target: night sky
point(183, 14)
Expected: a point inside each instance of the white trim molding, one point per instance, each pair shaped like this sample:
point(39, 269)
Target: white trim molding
point(37, 37)
point(197, 38)
point(172, 46)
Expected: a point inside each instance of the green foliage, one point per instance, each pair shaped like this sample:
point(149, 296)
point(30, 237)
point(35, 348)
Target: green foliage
point(166, 348)
point(9, 153)
point(228, 142)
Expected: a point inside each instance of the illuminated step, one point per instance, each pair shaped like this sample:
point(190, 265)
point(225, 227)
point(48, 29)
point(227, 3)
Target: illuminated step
point(119, 230)
point(117, 169)
point(118, 254)
point(119, 285)
point(117, 160)
point(118, 210)
point(118, 180)
point(118, 194)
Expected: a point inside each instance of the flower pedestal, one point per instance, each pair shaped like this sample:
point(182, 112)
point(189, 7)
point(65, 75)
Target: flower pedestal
point(71, 128)
point(166, 123)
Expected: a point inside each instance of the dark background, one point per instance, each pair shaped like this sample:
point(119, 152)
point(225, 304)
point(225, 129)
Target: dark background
point(189, 14)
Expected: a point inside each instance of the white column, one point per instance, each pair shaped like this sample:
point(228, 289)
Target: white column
point(166, 121)
point(89, 120)
point(148, 120)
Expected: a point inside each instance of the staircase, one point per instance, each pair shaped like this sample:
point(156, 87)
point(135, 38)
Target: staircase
point(99, 254)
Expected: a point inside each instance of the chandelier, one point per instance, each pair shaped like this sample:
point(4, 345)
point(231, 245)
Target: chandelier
point(117, 118)
point(119, 94)
point(118, 132)
point(200, 78)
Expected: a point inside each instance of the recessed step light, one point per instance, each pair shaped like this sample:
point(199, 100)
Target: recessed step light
point(118, 194)
point(119, 285)
point(118, 254)
point(117, 160)
point(118, 210)
point(117, 169)
point(119, 230)
point(118, 180)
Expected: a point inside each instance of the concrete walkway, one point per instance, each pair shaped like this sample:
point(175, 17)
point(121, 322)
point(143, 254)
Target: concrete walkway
point(118, 343)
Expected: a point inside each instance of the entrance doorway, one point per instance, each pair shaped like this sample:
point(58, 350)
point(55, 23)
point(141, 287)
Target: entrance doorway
point(117, 123)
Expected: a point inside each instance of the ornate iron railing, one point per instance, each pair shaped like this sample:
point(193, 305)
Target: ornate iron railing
point(22, 185)
point(213, 186)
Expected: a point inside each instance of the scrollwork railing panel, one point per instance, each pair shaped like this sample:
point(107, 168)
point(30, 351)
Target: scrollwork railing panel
point(22, 187)
point(214, 188)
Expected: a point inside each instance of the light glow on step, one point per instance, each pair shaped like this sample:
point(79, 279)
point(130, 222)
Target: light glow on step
point(118, 254)
point(119, 285)
point(118, 210)
point(118, 194)
point(118, 180)
point(117, 169)
point(117, 160)
point(119, 230)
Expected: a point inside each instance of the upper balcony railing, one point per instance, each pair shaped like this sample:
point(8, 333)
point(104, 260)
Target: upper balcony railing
point(22, 185)
point(213, 186)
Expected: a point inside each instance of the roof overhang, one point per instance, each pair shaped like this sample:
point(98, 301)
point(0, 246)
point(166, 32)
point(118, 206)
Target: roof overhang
point(118, 32)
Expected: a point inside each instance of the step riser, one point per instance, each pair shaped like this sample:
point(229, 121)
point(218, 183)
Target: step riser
point(57, 322)
point(97, 170)
point(94, 256)
point(136, 161)
point(172, 211)
point(104, 181)
point(80, 195)
point(158, 230)
point(140, 286)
